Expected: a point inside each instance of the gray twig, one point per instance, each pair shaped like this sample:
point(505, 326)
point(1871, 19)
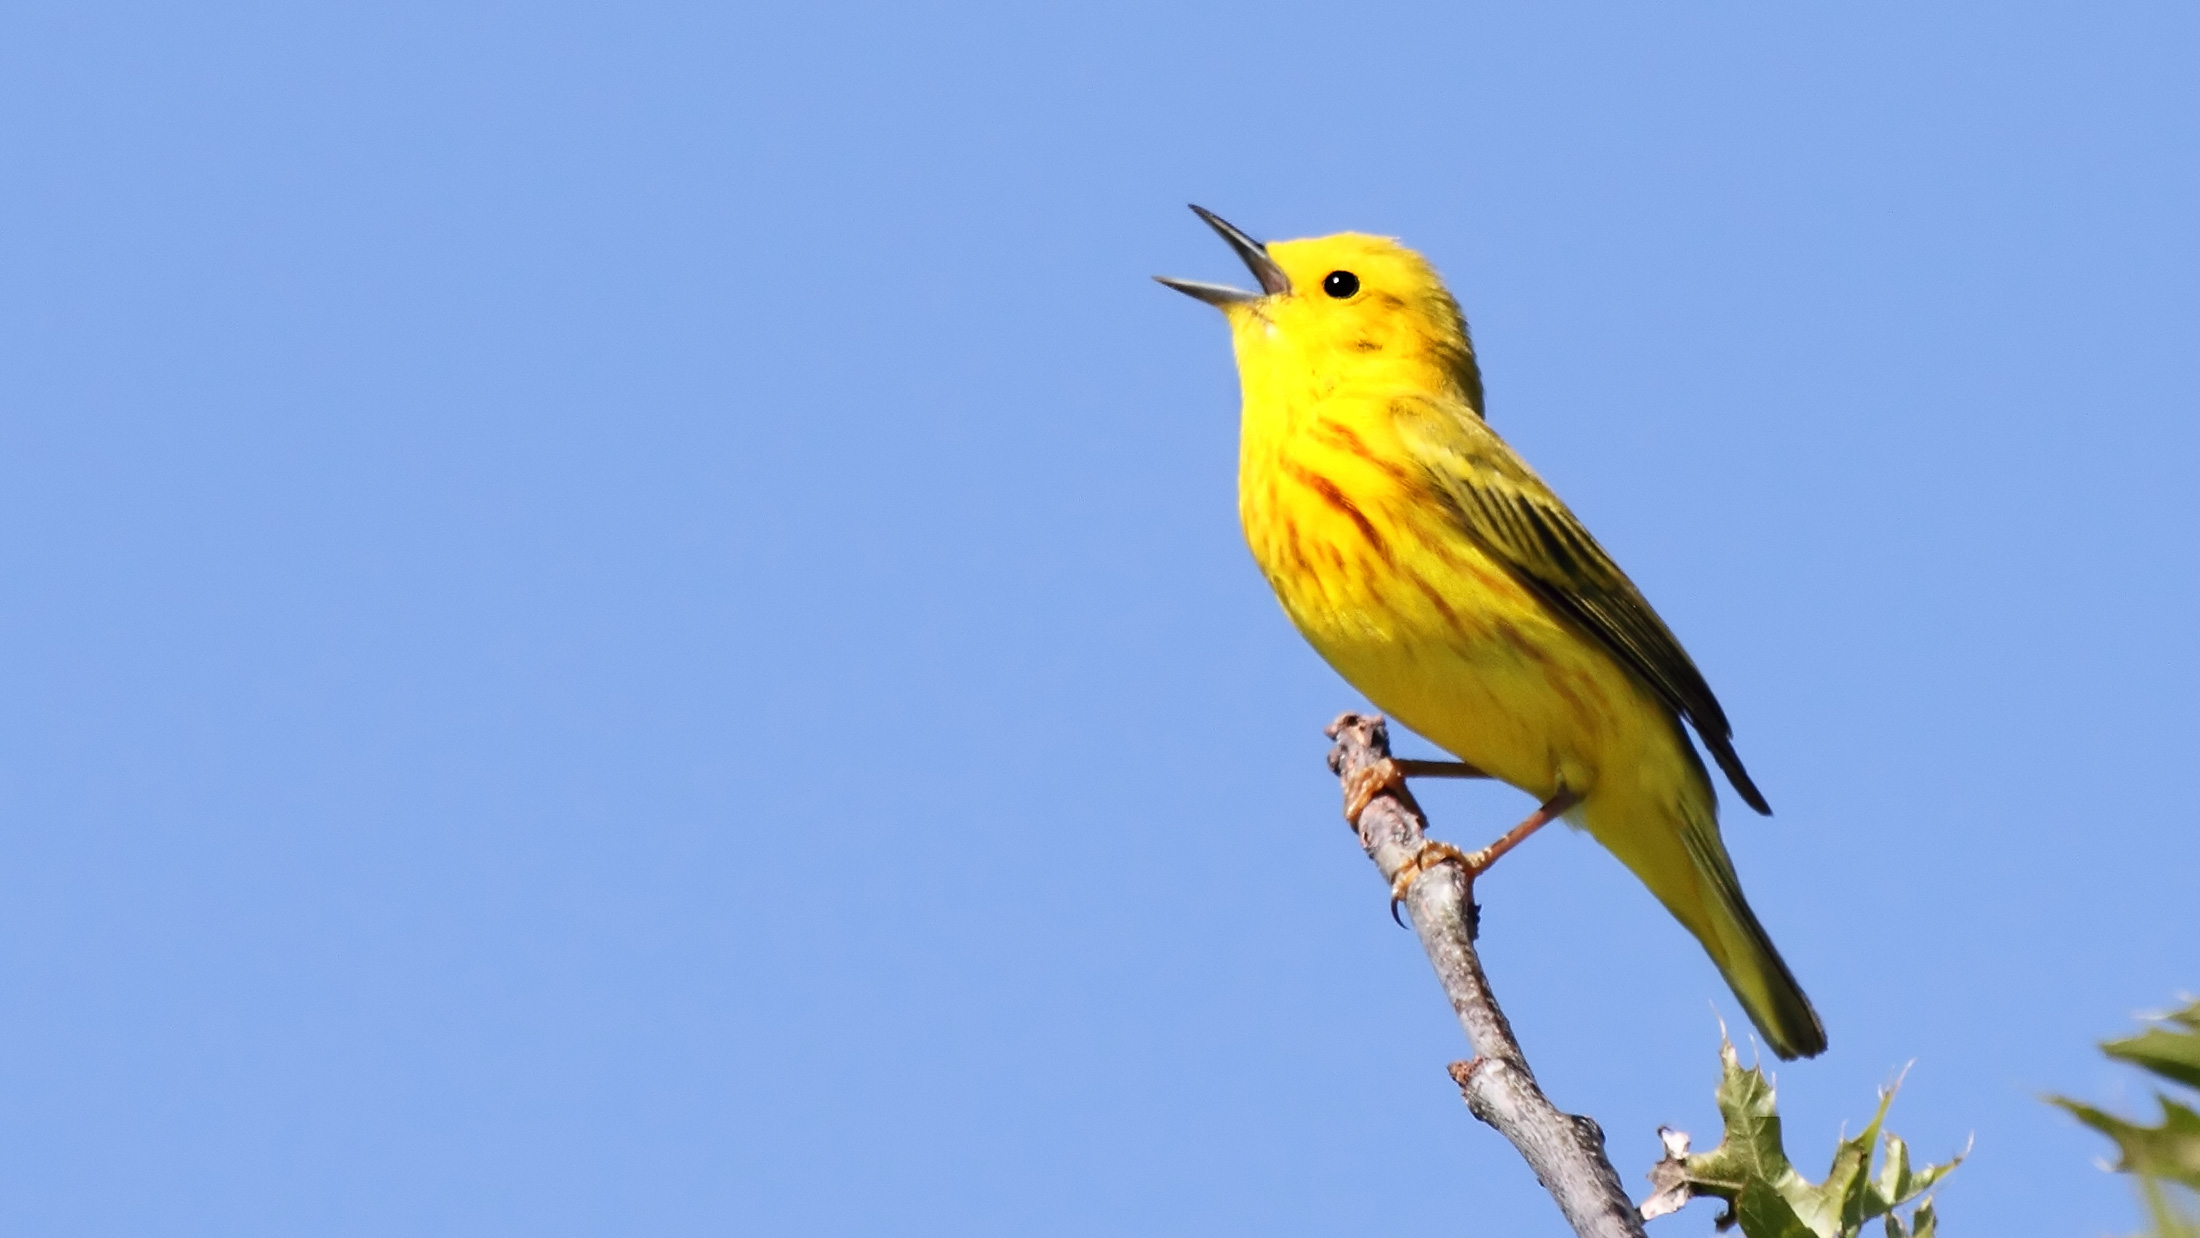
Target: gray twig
point(1565, 1151)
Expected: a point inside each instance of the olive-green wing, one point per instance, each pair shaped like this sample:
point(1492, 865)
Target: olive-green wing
point(1500, 502)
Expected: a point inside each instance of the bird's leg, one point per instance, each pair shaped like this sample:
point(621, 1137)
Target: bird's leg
point(1432, 852)
point(1390, 774)
point(1553, 808)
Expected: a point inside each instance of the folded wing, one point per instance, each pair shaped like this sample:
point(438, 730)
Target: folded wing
point(1499, 502)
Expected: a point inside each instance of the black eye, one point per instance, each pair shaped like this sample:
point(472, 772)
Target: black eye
point(1340, 284)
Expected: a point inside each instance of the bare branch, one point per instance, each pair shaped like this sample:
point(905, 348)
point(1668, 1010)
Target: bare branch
point(1566, 1152)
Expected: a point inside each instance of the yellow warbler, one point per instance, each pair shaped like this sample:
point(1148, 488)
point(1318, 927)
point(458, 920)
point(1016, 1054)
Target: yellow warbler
point(1434, 570)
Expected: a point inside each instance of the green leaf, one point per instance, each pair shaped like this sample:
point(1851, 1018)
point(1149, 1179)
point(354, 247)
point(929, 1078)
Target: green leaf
point(2170, 1151)
point(2171, 1054)
point(1896, 1184)
point(2166, 1156)
point(1764, 1214)
point(1751, 1151)
point(1766, 1195)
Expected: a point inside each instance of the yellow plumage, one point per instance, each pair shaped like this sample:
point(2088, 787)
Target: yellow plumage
point(1434, 570)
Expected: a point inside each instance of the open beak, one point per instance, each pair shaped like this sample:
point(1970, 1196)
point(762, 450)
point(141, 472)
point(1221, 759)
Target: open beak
point(1255, 255)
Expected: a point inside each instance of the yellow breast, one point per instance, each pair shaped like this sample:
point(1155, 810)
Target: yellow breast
point(1362, 554)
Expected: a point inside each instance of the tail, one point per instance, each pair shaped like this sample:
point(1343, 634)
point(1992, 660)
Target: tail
point(1683, 862)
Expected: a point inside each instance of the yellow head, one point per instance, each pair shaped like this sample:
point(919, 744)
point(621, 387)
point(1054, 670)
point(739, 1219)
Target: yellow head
point(1336, 309)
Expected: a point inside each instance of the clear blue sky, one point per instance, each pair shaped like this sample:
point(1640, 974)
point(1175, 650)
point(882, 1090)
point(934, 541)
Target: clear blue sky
point(629, 619)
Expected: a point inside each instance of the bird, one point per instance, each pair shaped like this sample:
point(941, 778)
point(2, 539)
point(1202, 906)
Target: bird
point(1431, 567)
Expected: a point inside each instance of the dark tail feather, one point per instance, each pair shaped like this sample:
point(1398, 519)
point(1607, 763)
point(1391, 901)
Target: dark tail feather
point(1730, 763)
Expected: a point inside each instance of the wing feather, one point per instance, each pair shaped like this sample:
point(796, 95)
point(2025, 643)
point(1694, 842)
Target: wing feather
point(1500, 503)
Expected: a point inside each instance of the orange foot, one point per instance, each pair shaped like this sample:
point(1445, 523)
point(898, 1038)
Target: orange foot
point(1430, 854)
point(1390, 774)
point(1362, 788)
